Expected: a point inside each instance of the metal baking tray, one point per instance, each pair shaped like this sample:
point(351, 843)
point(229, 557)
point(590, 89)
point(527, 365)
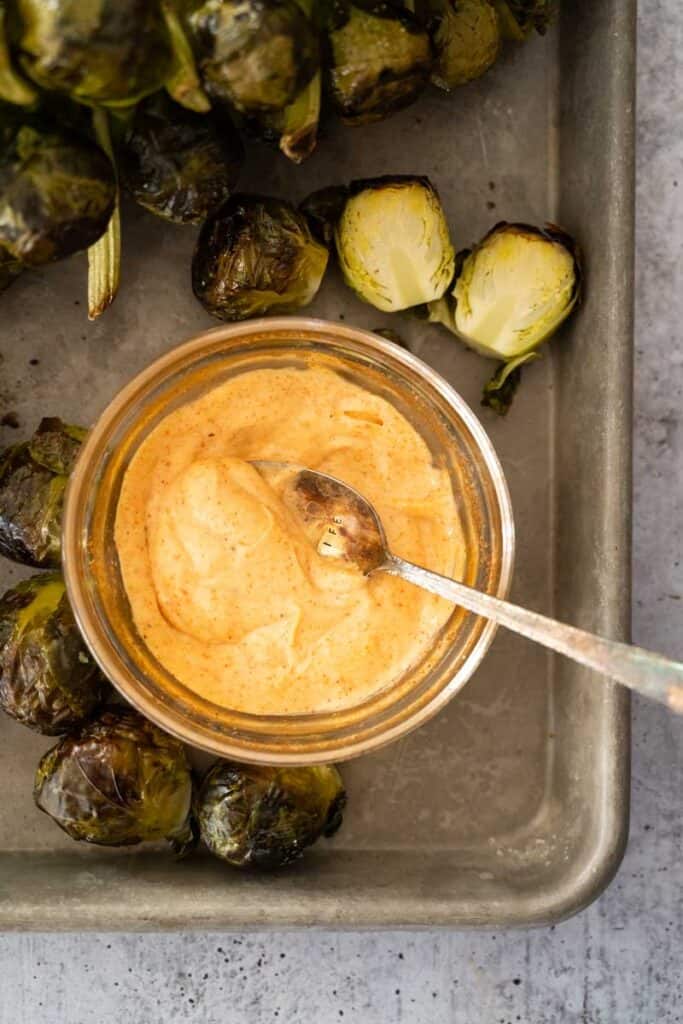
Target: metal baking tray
point(510, 807)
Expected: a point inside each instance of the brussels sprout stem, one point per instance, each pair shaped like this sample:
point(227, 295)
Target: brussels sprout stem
point(183, 84)
point(104, 257)
point(300, 122)
point(13, 88)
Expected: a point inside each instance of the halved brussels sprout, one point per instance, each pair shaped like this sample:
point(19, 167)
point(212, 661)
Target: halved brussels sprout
point(105, 52)
point(48, 679)
point(393, 243)
point(519, 18)
point(33, 477)
point(261, 817)
point(379, 59)
point(57, 193)
point(178, 164)
point(118, 781)
point(10, 268)
point(255, 254)
point(254, 54)
point(514, 290)
point(467, 40)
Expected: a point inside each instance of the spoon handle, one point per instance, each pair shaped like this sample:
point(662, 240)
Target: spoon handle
point(650, 674)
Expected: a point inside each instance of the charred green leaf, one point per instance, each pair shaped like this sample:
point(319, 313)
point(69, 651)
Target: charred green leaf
point(118, 781)
point(261, 817)
point(48, 679)
point(500, 391)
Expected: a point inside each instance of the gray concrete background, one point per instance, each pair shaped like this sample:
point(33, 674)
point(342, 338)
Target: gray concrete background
point(617, 963)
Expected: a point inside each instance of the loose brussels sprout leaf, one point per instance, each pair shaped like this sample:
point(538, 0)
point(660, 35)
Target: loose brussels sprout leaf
point(178, 164)
point(57, 193)
point(254, 54)
point(13, 88)
point(48, 679)
point(33, 477)
point(295, 129)
point(118, 781)
point(515, 289)
point(466, 39)
point(255, 254)
point(393, 243)
point(323, 209)
point(104, 257)
point(10, 268)
point(379, 60)
point(519, 18)
point(105, 52)
point(255, 816)
point(183, 82)
point(501, 389)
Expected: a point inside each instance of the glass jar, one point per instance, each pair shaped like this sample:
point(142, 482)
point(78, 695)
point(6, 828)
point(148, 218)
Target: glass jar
point(458, 443)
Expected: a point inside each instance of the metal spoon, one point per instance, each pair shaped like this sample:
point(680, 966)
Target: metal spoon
point(341, 523)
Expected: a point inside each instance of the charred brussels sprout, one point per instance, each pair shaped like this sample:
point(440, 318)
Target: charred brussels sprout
point(379, 59)
point(10, 268)
point(393, 243)
point(254, 54)
point(255, 816)
point(178, 164)
point(514, 290)
point(519, 18)
point(255, 254)
point(466, 37)
point(48, 680)
point(57, 193)
point(118, 781)
point(106, 52)
point(33, 477)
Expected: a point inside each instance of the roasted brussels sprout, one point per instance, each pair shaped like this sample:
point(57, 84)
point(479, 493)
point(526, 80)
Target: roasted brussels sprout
point(254, 54)
point(514, 290)
point(255, 254)
point(519, 18)
point(118, 781)
point(178, 164)
point(255, 816)
point(323, 208)
point(393, 243)
point(467, 40)
point(379, 59)
point(105, 52)
point(10, 268)
point(57, 192)
point(48, 679)
point(33, 477)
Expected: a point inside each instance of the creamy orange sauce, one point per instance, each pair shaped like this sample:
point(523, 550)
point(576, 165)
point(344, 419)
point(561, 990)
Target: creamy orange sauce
point(227, 591)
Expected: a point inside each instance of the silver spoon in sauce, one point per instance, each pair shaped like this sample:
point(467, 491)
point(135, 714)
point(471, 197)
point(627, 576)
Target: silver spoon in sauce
point(341, 523)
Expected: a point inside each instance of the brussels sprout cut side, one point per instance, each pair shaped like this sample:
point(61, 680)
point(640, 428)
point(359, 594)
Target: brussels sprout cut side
point(261, 817)
point(256, 254)
point(48, 680)
point(118, 781)
point(467, 40)
point(178, 164)
point(513, 291)
point(393, 243)
point(379, 59)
